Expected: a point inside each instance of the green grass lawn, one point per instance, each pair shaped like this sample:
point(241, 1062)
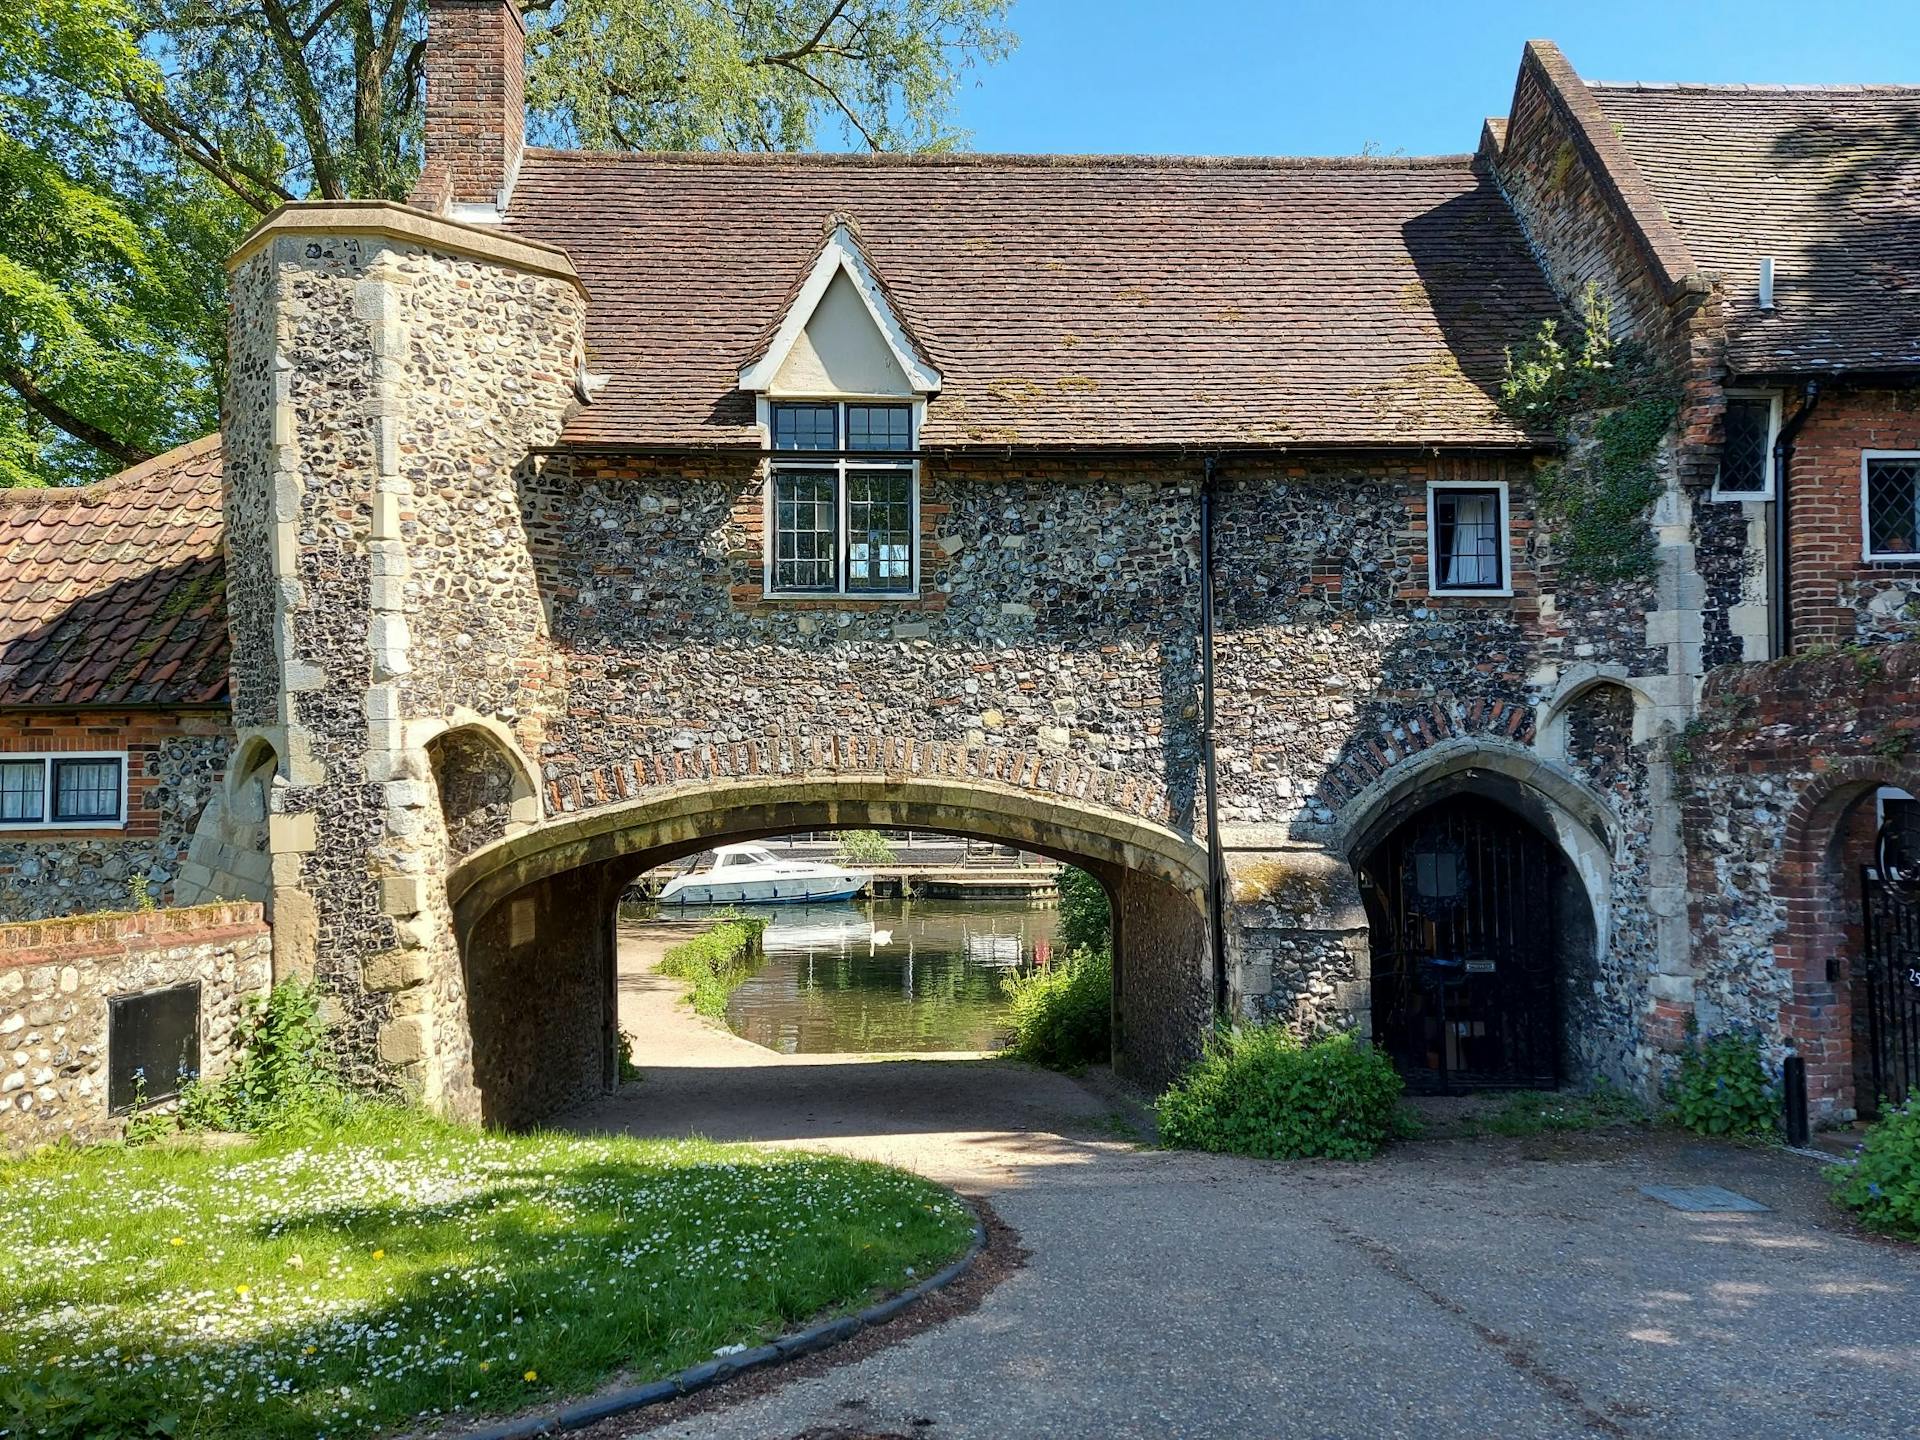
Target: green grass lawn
point(402, 1269)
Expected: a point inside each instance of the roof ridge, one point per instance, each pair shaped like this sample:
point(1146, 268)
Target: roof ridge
point(63, 495)
point(1752, 87)
point(960, 160)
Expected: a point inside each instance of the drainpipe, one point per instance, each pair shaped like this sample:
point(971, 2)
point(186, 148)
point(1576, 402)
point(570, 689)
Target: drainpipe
point(1216, 868)
point(1782, 546)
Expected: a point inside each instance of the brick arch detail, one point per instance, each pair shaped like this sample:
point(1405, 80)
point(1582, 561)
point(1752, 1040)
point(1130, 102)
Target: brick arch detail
point(1818, 1021)
point(1414, 731)
point(828, 757)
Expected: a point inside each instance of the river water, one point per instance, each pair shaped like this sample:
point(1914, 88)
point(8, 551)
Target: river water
point(887, 975)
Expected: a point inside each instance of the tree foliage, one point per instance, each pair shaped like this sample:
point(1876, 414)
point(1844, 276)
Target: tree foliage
point(140, 138)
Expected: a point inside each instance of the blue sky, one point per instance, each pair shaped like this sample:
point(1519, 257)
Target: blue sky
point(1230, 77)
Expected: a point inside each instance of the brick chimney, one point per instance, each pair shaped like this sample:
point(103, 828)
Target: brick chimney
point(476, 106)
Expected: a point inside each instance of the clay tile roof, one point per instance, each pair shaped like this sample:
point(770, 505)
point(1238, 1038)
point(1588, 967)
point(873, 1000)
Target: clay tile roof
point(1067, 300)
point(115, 594)
point(1825, 179)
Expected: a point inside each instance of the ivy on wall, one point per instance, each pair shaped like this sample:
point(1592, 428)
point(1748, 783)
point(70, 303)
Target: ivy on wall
point(1614, 406)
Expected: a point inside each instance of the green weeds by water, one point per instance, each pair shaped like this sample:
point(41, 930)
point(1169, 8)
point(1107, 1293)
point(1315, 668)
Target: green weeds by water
point(1061, 1014)
point(717, 961)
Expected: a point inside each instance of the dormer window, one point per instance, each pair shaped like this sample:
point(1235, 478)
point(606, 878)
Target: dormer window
point(842, 387)
point(843, 515)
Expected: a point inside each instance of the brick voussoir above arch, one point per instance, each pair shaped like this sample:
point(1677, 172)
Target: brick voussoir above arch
point(1369, 757)
point(893, 756)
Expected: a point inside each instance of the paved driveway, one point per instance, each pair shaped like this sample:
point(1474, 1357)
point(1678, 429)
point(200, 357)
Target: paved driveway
point(1471, 1288)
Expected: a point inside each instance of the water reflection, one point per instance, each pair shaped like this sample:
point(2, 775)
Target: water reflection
point(887, 975)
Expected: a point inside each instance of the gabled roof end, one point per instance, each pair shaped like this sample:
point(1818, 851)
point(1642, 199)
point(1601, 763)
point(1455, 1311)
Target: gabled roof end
point(841, 254)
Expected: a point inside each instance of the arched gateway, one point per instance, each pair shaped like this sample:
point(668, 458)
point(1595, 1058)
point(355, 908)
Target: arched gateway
point(534, 913)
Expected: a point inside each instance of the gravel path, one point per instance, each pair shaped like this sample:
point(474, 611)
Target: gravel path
point(1487, 1287)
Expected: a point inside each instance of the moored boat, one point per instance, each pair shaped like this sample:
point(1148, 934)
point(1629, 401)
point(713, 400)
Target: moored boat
point(752, 875)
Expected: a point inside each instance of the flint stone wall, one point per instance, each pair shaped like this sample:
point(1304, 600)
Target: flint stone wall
point(384, 395)
point(56, 979)
point(1779, 755)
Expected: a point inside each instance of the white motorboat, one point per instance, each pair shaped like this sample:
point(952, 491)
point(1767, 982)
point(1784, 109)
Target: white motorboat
point(751, 875)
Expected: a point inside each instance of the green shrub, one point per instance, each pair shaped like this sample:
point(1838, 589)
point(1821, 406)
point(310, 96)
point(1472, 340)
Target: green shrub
point(717, 960)
point(1722, 1088)
point(1259, 1091)
point(865, 847)
point(285, 1075)
point(1062, 1014)
point(1882, 1180)
point(1086, 919)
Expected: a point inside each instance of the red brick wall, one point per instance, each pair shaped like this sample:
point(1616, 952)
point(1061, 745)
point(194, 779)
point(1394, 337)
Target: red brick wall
point(97, 937)
point(139, 733)
point(1832, 586)
point(476, 97)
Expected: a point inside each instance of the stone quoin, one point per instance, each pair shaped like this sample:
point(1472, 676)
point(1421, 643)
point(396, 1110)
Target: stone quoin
point(591, 509)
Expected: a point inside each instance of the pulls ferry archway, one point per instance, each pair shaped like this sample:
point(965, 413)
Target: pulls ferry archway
point(535, 915)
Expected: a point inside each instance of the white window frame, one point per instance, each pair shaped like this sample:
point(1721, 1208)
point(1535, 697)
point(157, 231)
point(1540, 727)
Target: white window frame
point(839, 466)
point(1867, 552)
point(47, 760)
point(1772, 397)
point(1437, 591)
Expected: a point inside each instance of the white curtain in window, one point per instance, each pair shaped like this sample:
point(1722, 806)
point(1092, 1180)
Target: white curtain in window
point(1474, 560)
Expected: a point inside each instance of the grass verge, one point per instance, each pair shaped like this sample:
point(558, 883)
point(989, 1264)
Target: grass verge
point(401, 1269)
point(716, 961)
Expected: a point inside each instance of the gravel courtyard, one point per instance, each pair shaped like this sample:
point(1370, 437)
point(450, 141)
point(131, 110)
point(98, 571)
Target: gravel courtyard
point(1462, 1287)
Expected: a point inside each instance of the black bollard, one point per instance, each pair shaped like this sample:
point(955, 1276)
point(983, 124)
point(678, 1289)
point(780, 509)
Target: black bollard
point(1794, 1082)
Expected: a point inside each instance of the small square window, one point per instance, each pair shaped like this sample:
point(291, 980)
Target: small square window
point(153, 1045)
point(23, 787)
point(879, 427)
point(806, 427)
point(1467, 539)
point(1745, 456)
point(86, 791)
point(1890, 502)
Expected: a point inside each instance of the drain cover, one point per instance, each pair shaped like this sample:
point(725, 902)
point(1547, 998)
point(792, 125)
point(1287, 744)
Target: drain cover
point(1703, 1199)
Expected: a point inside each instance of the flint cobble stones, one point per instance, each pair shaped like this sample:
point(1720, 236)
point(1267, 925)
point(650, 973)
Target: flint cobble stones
point(56, 979)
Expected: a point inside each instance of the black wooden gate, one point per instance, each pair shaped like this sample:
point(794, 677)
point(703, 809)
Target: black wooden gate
point(1889, 986)
point(1461, 901)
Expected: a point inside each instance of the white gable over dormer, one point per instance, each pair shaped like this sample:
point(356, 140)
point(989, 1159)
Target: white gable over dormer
point(840, 336)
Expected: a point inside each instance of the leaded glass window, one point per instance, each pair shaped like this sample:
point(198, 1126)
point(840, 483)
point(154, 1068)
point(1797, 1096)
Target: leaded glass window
point(879, 427)
point(879, 529)
point(805, 527)
point(806, 427)
point(1744, 457)
point(1468, 539)
point(843, 517)
point(1893, 505)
